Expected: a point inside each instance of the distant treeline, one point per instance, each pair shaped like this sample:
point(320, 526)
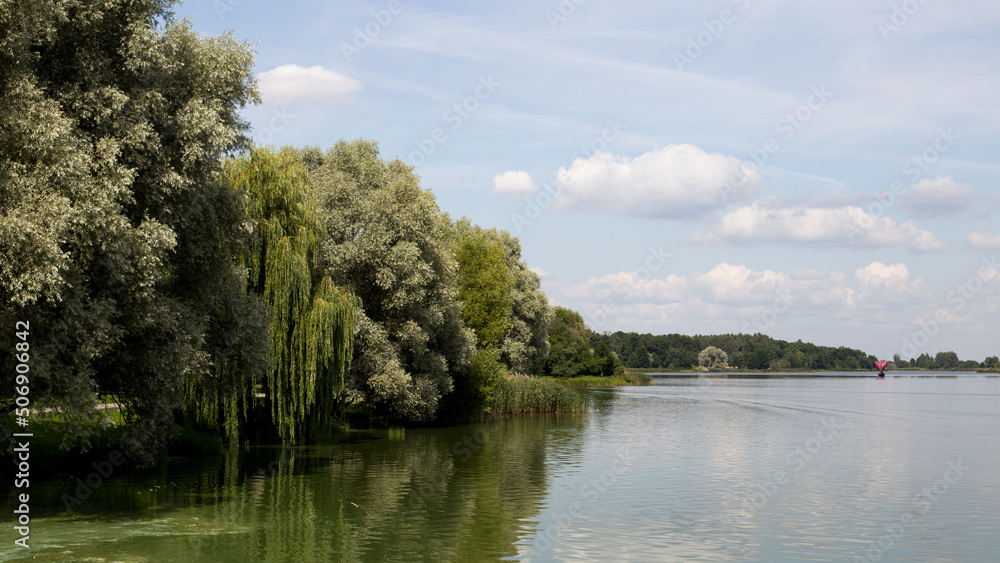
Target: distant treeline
point(745, 351)
point(944, 360)
point(759, 351)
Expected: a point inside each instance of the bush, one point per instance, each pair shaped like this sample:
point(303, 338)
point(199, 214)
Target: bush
point(474, 388)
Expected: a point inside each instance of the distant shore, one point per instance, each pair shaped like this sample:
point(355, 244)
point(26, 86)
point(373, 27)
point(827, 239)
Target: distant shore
point(655, 371)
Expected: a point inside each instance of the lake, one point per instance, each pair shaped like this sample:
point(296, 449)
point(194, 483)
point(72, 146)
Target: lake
point(838, 467)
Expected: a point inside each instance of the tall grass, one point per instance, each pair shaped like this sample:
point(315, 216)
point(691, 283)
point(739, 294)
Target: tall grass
point(637, 378)
point(522, 394)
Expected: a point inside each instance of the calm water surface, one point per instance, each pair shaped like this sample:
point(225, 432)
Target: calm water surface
point(833, 468)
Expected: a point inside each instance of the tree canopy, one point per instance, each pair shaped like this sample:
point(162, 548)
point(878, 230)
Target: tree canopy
point(572, 354)
point(116, 238)
point(386, 241)
point(712, 357)
point(311, 321)
point(485, 288)
point(525, 341)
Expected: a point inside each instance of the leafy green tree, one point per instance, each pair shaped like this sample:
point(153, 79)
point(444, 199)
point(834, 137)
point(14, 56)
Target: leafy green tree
point(925, 361)
point(991, 361)
point(604, 362)
point(312, 323)
point(570, 348)
point(946, 360)
point(712, 357)
point(117, 241)
point(638, 359)
point(796, 359)
point(526, 344)
point(485, 288)
point(386, 241)
point(760, 358)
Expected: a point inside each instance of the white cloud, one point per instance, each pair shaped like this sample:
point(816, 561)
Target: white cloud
point(630, 285)
point(987, 241)
point(514, 183)
point(292, 83)
point(727, 297)
point(762, 223)
point(677, 181)
point(940, 197)
point(882, 284)
point(735, 285)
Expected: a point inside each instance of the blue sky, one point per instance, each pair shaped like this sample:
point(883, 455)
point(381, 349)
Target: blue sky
point(824, 171)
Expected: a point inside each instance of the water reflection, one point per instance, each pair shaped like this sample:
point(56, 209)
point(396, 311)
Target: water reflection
point(455, 494)
point(710, 469)
point(781, 469)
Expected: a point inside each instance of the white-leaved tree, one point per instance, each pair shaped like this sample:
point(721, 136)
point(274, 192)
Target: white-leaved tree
point(386, 241)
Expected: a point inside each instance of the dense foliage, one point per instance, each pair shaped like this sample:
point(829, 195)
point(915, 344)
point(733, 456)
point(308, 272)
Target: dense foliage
point(117, 241)
point(572, 352)
point(386, 242)
point(713, 357)
point(485, 289)
point(944, 360)
point(525, 342)
point(312, 322)
point(745, 351)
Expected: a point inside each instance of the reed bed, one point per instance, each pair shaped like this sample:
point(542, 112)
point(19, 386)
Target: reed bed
point(523, 394)
point(637, 378)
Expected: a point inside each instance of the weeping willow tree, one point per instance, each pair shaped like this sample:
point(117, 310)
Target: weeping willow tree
point(311, 322)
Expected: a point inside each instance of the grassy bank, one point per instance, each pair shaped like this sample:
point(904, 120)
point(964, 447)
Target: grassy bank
point(521, 394)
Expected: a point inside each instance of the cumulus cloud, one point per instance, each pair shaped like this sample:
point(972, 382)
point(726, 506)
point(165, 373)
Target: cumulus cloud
point(882, 283)
point(986, 241)
point(728, 296)
point(762, 222)
point(292, 83)
point(940, 197)
point(735, 285)
point(676, 181)
point(514, 183)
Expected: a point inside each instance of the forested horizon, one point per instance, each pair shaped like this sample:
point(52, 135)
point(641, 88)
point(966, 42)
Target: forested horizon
point(761, 352)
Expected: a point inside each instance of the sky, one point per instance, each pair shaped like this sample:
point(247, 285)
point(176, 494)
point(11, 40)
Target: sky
point(823, 171)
